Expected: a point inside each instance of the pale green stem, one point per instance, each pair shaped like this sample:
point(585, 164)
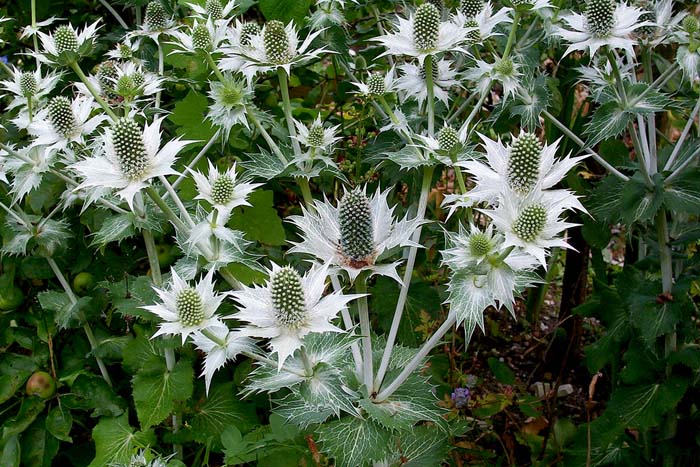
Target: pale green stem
point(180, 178)
point(228, 277)
point(266, 136)
point(679, 170)
point(214, 67)
point(681, 139)
point(431, 94)
point(347, 322)
point(86, 325)
point(308, 367)
point(152, 257)
point(177, 222)
point(116, 15)
point(178, 202)
point(34, 38)
point(406, 282)
point(651, 118)
point(417, 359)
point(15, 216)
point(476, 109)
point(305, 192)
point(161, 65)
point(78, 71)
point(658, 83)
point(462, 106)
point(365, 329)
point(287, 107)
point(511, 36)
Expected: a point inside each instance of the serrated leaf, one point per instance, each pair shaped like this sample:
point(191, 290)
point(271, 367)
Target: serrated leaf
point(263, 164)
point(354, 442)
point(115, 228)
point(39, 447)
point(222, 409)
point(424, 446)
point(644, 407)
point(608, 121)
point(403, 411)
point(66, 314)
point(155, 391)
point(684, 194)
point(189, 115)
point(14, 371)
point(130, 294)
point(116, 441)
point(59, 422)
point(289, 10)
point(534, 97)
point(408, 157)
point(92, 392)
point(30, 409)
point(260, 222)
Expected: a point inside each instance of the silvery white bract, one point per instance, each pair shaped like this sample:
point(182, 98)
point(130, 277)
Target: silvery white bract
point(503, 70)
point(66, 43)
point(412, 82)
point(288, 308)
point(354, 234)
point(316, 137)
point(230, 103)
point(219, 345)
point(207, 37)
point(482, 26)
point(156, 22)
point(129, 159)
point(185, 309)
point(29, 169)
point(378, 84)
point(223, 190)
point(215, 10)
point(29, 88)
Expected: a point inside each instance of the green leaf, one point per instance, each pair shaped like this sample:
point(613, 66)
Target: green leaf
point(684, 194)
point(354, 442)
point(141, 352)
point(533, 98)
point(59, 422)
point(115, 228)
point(116, 441)
point(14, 371)
point(38, 446)
point(92, 392)
point(501, 371)
point(189, 115)
point(608, 121)
point(155, 391)
point(66, 314)
point(263, 164)
point(11, 452)
point(30, 409)
point(652, 320)
point(222, 409)
point(130, 294)
point(423, 446)
point(260, 222)
point(286, 11)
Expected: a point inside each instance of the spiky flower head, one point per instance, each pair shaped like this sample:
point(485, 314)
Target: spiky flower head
point(288, 298)
point(600, 17)
point(65, 39)
point(649, 15)
point(125, 51)
point(201, 39)
point(504, 66)
point(473, 35)
point(316, 136)
point(530, 222)
point(447, 138)
point(107, 75)
point(524, 163)
point(248, 30)
point(155, 16)
point(276, 42)
point(356, 229)
point(190, 308)
point(223, 189)
point(61, 115)
point(214, 9)
point(129, 147)
point(375, 84)
point(691, 25)
point(27, 84)
point(426, 26)
point(479, 245)
point(471, 8)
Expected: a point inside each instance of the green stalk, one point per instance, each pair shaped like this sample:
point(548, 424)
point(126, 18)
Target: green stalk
point(431, 94)
point(287, 107)
point(365, 329)
point(511, 36)
point(78, 71)
point(34, 39)
point(177, 222)
point(214, 67)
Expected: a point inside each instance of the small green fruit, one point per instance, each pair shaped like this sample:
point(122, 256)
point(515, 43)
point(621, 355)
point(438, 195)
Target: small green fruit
point(83, 282)
point(41, 384)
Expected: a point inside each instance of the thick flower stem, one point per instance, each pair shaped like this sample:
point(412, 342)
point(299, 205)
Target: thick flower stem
point(177, 222)
point(78, 71)
point(406, 281)
point(34, 38)
point(417, 359)
point(308, 367)
point(152, 257)
point(178, 202)
point(347, 322)
point(681, 139)
point(365, 329)
point(431, 94)
point(214, 67)
point(287, 107)
point(511, 36)
point(305, 191)
point(266, 136)
point(86, 325)
point(161, 65)
point(116, 15)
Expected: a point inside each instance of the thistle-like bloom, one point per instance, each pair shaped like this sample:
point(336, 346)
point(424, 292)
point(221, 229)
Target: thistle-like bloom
point(157, 21)
point(503, 70)
point(124, 50)
point(689, 53)
point(354, 235)
point(481, 26)
point(444, 145)
point(28, 87)
point(222, 190)
point(316, 137)
point(239, 36)
point(200, 37)
point(532, 223)
point(220, 345)
point(27, 175)
point(65, 44)
point(413, 81)
point(665, 23)
point(64, 121)
point(131, 82)
point(378, 84)
point(604, 23)
point(518, 168)
point(423, 34)
point(276, 46)
point(215, 10)
point(130, 158)
point(231, 98)
point(289, 307)
point(185, 309)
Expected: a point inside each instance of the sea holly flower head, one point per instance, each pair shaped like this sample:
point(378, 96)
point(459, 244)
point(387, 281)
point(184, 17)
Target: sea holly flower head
point(239, 44)
point(231, 100)
point(316, 137)
point(424, 33)
point(184, 309)
point(26, 86)
point(482, 25)
point(412, 82)
point(28, 171)
point(289, 307)
point(157, 21)
point(219, 345)
point(206, 36)
point(355, 234)
point(503, 70)
point(66, 44)
point(471, 8)
point(378, 84)
point(124, 50)
point(129, 159)
point(217, 11)
point(223, 190)
point(604, 23)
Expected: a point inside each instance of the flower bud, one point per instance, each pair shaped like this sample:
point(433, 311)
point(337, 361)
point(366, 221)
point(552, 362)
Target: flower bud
point(155, 16)
point(356, 226)
point(127, 139)
point(426, 27)
point(201, 39)
point(471, 8)
point(447, 138)
point(276, 42)
point(223, 189)
point(288, 298)
point(190, 308)
point(530, 222)
point(248, 31)
point(65, 39)
point(27, 84)
point(214, 9)
point(376, 85)
point(524, 163)
point(61, 115)
point(600, 17)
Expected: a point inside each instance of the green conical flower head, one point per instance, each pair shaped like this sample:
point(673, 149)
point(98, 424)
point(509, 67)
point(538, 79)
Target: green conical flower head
point(125, 52)
point(524, 163)
point(129, 148)
point(447, 138)
point(473, 35)
point(505, 67)
point(316, 136)
point(691, 25)
point(649, 14)
point(61, 115)
point(426, 27)
point(201, 39)
point(155, 16)
point(530, 222)
point(479, 245)
point(600, 17)
point(356, 226)
point(435, 72)
point(65, 39)
point(127, 86)
point(276, 42)
point(439, 4)
point(248, 31)
point(107, 75)
point(376, 85)
point(27, 84)
point(138, 78)
point(214, 9)
point(222, 189)
point(471, 8)
point(232, 93)
point(190, 308)
point(288, 298)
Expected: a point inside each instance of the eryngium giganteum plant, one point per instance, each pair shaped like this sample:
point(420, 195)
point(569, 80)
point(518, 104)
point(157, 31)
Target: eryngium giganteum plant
point(219, 199)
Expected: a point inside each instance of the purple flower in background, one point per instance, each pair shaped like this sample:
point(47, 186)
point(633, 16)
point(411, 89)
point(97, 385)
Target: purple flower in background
point(460, 397)
point(4, 59)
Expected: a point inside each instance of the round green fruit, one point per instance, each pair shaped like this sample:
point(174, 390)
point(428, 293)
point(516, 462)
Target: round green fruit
point(83, 282)
point(41, 384)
